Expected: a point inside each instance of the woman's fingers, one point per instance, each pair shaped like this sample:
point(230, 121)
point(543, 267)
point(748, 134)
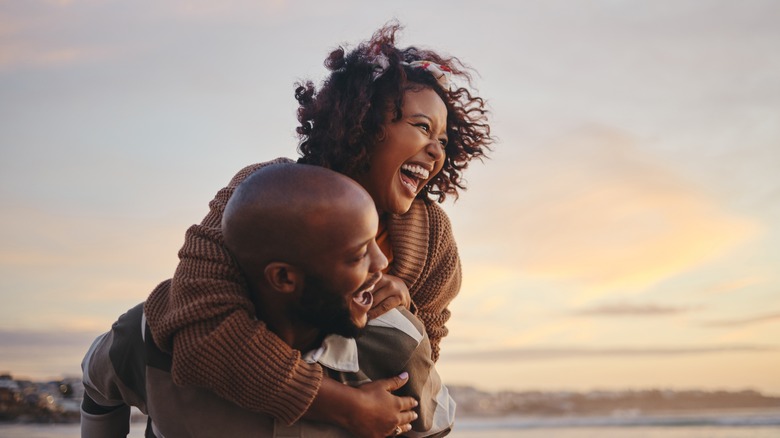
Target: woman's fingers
point(384, 306)
point(396, 382)
point(403, 290)
point(407, 417)
point(390, 293)
point(406, 404)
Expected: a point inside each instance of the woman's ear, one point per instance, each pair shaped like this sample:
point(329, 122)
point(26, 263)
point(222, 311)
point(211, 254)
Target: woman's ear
point(283, 277)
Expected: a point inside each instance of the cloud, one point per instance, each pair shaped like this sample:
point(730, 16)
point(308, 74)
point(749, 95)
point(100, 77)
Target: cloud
point(626, 309)
point(79, 271)
point(24, 54)
point(730, 286)
point(594, 210)
point(35, 340)
point(42, 354)
point(205, 10)
point(33, 235)
point(739, 322)
point(39, 33)
point(48, 33)
point(523, 354)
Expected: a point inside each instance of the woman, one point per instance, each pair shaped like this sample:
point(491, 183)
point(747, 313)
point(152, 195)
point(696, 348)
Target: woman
point(390, 119)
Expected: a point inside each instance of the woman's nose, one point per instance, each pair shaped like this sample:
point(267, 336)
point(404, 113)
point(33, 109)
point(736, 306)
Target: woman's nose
point(435, 150)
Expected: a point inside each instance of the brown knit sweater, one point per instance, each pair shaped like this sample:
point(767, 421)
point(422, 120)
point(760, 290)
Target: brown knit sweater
point(205, 317)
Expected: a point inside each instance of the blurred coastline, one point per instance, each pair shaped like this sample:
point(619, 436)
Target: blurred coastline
point(473, 428)
point(50, 409)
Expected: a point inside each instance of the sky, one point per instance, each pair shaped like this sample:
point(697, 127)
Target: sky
point(623, 233)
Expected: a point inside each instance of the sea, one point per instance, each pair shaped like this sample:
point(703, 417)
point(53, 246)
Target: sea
point(761, 423)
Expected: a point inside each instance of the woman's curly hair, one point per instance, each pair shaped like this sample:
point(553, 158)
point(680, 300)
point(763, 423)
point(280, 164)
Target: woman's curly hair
point(340, 123)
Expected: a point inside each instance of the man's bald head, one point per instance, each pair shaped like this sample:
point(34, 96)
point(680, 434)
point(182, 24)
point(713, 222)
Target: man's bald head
point(289, 213)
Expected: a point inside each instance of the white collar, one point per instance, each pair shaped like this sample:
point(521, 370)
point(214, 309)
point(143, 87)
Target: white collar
point(340, 354)
point(336, 353)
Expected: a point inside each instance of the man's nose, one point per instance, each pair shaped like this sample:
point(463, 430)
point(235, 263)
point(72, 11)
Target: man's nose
point(378, 259)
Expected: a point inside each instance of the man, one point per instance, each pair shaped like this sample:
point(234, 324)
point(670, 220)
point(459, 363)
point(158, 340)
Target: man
point(304, 239)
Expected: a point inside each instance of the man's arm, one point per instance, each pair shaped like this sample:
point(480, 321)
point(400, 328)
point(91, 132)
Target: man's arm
point(395, 341)
point(113, 371)
point(109, 415)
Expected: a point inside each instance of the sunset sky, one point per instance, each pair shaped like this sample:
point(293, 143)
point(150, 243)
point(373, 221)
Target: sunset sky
point(624, 233)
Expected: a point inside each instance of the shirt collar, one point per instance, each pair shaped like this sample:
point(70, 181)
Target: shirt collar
point(336, 353)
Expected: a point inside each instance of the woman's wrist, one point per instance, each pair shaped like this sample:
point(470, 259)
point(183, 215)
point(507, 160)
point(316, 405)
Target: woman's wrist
point(333, 403)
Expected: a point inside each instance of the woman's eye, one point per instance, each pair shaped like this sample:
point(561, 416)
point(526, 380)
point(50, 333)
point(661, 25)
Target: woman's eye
point(424, 127)
point(443, 142)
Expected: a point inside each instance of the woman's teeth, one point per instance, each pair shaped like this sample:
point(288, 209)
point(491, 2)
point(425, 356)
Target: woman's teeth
point(409, 182)
point(416, 171)
point(412, 175)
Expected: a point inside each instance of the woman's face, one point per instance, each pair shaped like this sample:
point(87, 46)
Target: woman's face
point(411, 153)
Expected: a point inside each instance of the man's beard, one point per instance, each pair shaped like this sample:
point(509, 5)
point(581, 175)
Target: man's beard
point(326, 309)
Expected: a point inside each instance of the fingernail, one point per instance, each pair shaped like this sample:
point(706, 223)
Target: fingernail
point(415, 415)
point(404, 375)
point(415, 405)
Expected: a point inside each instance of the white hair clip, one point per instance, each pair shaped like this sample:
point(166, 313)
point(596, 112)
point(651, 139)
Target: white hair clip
point(441, 72)
point(381, 63)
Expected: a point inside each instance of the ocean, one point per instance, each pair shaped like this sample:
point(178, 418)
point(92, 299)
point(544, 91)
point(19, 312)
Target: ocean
point(763, 423)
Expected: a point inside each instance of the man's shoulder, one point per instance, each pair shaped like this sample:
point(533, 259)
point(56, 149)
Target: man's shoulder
point(402, 320)
point(252, 168)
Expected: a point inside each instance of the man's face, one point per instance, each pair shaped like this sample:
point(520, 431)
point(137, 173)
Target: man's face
point(337, 292)
point(327, 310)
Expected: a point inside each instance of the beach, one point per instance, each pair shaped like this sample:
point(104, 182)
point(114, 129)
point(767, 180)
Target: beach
point(72, 431)
point(757, 423)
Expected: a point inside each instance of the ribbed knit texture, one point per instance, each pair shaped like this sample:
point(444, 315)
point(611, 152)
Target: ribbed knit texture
point(426, 258)
point(205, 317)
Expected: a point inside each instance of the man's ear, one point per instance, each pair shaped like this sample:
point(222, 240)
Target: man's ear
point(283, 277)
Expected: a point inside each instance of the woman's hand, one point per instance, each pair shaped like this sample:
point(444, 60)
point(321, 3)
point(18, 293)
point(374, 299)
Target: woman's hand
point(368, 411)
point(390, 292)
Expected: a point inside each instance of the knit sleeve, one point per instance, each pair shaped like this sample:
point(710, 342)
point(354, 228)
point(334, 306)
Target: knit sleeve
point(204, 316)
point(440, 280)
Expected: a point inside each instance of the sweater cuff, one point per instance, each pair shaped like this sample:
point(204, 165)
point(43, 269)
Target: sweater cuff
point(302, 389)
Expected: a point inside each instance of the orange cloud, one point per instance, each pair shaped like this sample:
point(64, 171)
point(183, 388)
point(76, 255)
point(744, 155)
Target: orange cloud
point(734, 285)
point(14, 55)
point(42, 239)
point(94, 260)
point(596, 212)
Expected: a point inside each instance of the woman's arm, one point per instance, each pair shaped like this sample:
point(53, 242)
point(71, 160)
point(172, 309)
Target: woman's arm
point(368, 411)
point(205, 318)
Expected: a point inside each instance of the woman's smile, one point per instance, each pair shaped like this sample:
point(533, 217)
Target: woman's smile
point(411, 153)
point(414, 176)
